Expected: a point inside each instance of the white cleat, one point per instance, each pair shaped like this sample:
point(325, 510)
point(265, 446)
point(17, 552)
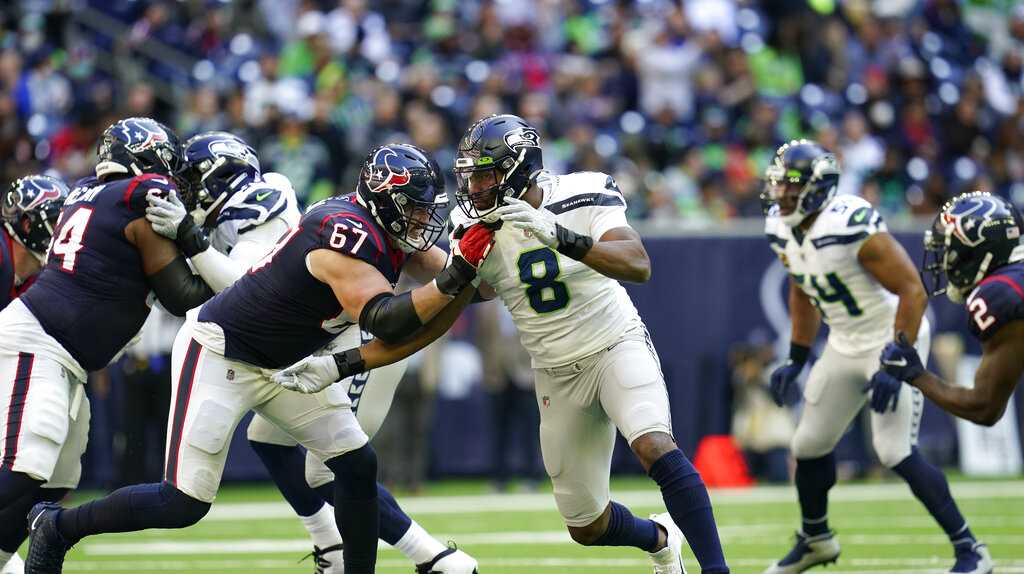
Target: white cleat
point(668, 560)
point(451, 561)
point(808, 552)
point(327, 560)
point(972, 559)
point(14, 566)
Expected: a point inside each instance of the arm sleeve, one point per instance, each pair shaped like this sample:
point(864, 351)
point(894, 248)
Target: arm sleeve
point(178, 289)
point(390, 318)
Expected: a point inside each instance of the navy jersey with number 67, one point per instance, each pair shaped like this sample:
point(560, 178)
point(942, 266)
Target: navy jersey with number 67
point(91, 296)
point(279, 313)
point(996, 301)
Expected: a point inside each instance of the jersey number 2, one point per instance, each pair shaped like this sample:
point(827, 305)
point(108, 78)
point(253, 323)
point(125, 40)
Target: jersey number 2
point(68, 240)
point(979, 307)
point(545, 294)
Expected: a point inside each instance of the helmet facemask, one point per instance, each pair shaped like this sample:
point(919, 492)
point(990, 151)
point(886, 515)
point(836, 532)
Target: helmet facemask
point(483, 185)
point(418, 225)
point(797, 196)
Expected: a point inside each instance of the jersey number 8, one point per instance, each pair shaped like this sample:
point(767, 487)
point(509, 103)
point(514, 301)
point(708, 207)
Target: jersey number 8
point(545, 294)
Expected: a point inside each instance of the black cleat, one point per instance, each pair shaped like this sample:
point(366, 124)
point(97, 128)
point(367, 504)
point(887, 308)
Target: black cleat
point(46, 548)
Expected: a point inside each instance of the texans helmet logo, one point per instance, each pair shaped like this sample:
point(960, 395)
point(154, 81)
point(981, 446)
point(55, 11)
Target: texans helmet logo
point(961, 220)
point(383, 174)
point(141, 136)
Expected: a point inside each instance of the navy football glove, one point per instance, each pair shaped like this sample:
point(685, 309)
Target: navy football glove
point(885, 391)
point(900, 359)
point(784, 390)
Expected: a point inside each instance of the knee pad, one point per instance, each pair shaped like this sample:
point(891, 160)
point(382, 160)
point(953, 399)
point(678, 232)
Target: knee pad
point(891, 450)
point(355, 472)
point(806, 445)
point(317, 473)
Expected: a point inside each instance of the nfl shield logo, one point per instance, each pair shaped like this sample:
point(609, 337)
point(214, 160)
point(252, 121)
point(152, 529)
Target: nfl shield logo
point(546, 400)
point(231, 374)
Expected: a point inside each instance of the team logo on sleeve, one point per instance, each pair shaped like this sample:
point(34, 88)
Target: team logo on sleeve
point(383, 177)
point(140, 137)
point(522, 137)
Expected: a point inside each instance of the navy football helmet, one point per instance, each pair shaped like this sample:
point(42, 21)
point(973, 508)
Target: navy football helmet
point(800, 180)
point(134, 146)
point(30, 209)
point(498, 157)
point(216, 165)
point(402, 187)
point(974, 234)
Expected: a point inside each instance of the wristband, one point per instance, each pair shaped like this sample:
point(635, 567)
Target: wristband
point(191, 238)
point(799, 353)
point(572, 244)
point(349, 363)
point(454, 278)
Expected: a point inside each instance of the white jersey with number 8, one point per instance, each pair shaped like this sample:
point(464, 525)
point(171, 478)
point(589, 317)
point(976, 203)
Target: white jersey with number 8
point(563, 309)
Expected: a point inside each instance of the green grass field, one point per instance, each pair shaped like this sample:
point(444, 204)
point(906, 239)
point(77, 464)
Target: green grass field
point(881, 528)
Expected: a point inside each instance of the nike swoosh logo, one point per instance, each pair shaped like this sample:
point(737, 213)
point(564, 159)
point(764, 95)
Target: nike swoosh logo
point(38, 516)
point(895, 363)
point(262, 196)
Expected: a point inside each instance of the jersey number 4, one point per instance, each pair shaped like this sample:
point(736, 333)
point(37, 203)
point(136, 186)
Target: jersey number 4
point(539, 269)
point(67, 241)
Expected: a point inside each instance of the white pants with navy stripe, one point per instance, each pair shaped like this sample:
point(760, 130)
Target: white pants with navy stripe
point(210, 396)
point(44, 413)
point(371, 394)
point(835, 394)
point(581, 406)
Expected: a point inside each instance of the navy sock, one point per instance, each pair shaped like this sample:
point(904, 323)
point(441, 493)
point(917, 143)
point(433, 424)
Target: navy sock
point(356, 507)
point(14, 518)
point(287, 466)
point(394, 522)
point(132, 508)
point(930, 487)
point(814, 478)
point(326, 492)
point(690, 507)
point(16, 485)
point(624, 529)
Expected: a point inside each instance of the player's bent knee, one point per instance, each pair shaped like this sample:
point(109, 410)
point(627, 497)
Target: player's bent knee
point(589, 534)
point(652, 446)
point(184, 510)
point(356, 472)
point(317, 473)
point(805, 445)
point(889, 453)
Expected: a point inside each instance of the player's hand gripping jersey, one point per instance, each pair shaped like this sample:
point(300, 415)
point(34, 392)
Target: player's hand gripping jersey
point(278, 312)
point(858, 310)
point(92, 295)
point(563, 309)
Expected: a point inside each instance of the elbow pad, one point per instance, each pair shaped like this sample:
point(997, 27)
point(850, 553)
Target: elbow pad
point(390, 318)
point(178, 289)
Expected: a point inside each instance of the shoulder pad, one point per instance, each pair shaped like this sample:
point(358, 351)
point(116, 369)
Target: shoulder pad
point(140, 186)
point(352, 234)
point(998, 300)
point(586, 189)
point(255, 206)
point(777, 236)
point(848, 219)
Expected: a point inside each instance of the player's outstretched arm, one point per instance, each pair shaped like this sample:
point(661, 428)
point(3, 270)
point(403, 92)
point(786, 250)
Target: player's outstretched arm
point(886, 260)
point(177, 288)
point(997, 376)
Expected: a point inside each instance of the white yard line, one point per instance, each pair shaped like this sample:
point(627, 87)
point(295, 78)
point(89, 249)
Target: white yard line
point(638, 498)
point(872, 565)
point(301, 545)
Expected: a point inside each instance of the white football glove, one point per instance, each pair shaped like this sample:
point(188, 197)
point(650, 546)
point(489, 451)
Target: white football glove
point(521, 215)
point(308, 376)
point(166, 215)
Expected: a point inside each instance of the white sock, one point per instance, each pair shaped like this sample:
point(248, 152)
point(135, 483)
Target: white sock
point(322, 527)
point(418, 545)
point(11, 563)
point(4, 557)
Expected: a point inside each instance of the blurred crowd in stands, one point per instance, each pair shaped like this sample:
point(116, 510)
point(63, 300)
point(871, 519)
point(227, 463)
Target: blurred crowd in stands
point(683, 101)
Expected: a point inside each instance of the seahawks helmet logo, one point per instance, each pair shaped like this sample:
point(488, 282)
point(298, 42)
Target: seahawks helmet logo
point(522, 137)
point(382, 172)
point(235, 149)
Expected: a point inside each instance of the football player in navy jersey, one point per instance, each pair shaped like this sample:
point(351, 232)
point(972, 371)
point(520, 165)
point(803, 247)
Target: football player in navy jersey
point(245, 211)
point(975, 243)
point(335, 269)
point(29, 208)
point(87, 303)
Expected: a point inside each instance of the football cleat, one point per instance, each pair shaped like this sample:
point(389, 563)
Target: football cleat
point(668, 560)
point(46, 547)
point(972, 558)
point(450, 561)
point(808, 552)
point(324, 565)
point(14, 566)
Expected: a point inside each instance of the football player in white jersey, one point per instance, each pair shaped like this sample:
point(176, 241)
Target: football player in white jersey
point(252, 211)
point(556, 263)
point(847, 270)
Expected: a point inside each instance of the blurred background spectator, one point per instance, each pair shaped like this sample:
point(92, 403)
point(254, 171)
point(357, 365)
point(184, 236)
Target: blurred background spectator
point(683, 101)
